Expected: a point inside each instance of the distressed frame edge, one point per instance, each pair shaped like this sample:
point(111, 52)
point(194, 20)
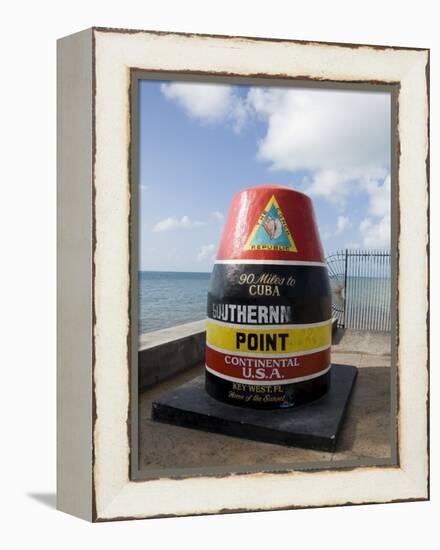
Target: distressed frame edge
point(352, 45)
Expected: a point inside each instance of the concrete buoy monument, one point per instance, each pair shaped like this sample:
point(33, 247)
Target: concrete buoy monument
point(269, 304)
point(268, 372)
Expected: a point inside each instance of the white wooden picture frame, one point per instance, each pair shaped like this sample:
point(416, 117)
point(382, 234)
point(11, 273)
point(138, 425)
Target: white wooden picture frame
point(94, 272)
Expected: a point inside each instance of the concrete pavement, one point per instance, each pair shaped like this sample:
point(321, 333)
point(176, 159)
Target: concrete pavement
point(366, 434)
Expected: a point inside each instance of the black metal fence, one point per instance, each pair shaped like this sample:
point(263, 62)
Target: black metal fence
point(361, 288)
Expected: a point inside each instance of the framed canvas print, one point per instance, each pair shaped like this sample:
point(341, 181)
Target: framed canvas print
point(242, 274)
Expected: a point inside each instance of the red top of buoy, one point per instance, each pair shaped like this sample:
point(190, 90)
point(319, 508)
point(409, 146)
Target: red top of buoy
point(271, 222)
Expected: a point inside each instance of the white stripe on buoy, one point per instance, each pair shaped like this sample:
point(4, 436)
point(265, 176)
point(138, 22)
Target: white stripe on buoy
point(271, 262)
point(247, 381)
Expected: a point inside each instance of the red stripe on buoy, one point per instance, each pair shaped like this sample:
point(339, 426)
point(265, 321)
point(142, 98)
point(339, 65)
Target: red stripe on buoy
point(262, 368)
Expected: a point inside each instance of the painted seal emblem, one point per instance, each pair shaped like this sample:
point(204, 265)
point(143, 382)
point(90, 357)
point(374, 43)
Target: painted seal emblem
point(271, 231)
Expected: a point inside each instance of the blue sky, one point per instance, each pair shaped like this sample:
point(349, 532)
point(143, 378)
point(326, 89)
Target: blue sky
point(201, 143)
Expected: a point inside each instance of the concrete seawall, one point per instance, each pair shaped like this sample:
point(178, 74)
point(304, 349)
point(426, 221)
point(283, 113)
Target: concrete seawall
point(166, 352)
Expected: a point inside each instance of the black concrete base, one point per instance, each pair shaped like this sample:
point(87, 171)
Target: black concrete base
point(312, 426)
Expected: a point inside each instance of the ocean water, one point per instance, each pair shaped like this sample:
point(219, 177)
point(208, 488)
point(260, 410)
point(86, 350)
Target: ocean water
point(368, 303)
point(171, 298)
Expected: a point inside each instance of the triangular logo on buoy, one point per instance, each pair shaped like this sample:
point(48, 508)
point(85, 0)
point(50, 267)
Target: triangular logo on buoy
point(271, 231)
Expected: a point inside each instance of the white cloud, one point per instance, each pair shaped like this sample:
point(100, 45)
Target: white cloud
point(376, 229)
point(323, 129)
point(218, 216)
point(206, 252)
point(168, 224)
point(209, 103)
point(376, 233)
point(185, 222)
point(380, 197)
point(329, 184)
point(342, 223)
point(340, 137)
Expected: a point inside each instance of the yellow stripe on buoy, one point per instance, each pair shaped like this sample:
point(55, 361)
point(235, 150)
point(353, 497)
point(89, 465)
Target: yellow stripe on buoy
point(270, 340)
